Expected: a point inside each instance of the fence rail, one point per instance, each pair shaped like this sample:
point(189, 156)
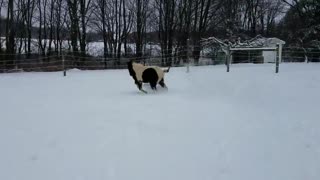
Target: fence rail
point(58, 62)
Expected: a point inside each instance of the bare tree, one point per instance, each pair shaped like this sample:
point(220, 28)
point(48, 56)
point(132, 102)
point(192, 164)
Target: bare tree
point(74, 24)
point(2, 63)
point(79, 14)
point(301, 25)
point(24, 21)
point(85, 13)
point(30, 6)
point(204, 10)
point(10, 35)
point(100, 24)
point(270, 10)
point(1, 6)
point(127, 25)
point(229, 21)
point(184, 20)
point(60, 16)
point(120, 22)
point(295, 4)
point(247, 17)
point(167, 25)
point(252, 15)
point(19, 22)
point(42, 32)
point(117, 45)
point(113, 20)
point(51, 22)
point(141, 9)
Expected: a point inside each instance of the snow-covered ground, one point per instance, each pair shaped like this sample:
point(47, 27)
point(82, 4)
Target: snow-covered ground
point(249, 124)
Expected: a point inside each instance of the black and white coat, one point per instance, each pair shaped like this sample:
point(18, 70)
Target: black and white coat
point(147, 74)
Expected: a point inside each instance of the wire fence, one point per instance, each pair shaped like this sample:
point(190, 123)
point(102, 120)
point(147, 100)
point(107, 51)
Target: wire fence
point(24, 62)
point(68, 60)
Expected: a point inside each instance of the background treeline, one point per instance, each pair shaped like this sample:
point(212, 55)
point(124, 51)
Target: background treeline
point(172, 24)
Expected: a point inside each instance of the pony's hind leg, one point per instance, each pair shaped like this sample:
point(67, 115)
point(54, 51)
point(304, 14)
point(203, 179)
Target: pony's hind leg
point(162, 84)
point(153, 85)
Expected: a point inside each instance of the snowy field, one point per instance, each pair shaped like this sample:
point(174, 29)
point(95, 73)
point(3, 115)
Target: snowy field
point(93, 48)
point(249, 124)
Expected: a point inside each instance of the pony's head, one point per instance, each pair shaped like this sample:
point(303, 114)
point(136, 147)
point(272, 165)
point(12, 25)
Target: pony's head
point(132, 71)
point(130, 68)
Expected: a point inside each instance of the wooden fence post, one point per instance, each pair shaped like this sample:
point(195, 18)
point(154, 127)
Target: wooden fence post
point(228, 58)
point(64, 66)
point(279, 59)
point(188, 58)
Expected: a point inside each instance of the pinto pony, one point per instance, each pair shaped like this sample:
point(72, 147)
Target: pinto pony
point(147, 74)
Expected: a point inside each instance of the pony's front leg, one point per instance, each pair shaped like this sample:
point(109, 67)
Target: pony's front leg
point(139, 85)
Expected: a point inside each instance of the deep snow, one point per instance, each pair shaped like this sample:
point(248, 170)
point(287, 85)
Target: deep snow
point(249, 124)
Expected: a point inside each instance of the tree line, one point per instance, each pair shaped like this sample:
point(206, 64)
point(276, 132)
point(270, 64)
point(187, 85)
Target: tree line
point(173, 24)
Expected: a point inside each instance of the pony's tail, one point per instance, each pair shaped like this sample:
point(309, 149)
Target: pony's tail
point(167, 70)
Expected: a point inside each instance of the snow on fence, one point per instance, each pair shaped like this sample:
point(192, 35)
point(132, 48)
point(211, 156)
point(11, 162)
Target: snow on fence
point(277, 51)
